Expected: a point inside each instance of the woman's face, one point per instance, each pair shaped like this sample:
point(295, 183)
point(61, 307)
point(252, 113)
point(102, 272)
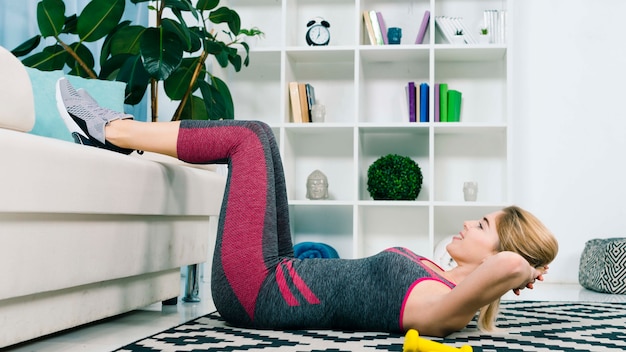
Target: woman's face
point(477, 241)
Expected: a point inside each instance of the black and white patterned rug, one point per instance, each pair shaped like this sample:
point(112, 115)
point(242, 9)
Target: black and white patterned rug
point(525, 326)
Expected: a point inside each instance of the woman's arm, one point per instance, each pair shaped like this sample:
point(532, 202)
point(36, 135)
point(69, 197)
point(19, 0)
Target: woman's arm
point(445, 312)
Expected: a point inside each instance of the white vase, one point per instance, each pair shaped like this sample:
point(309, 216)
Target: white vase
point(484, 39)
point(458, 39)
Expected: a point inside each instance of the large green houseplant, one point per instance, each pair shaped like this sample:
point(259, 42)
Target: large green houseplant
point(172, 51)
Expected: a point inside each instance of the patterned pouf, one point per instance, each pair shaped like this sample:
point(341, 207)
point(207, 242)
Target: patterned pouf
point(603, 265)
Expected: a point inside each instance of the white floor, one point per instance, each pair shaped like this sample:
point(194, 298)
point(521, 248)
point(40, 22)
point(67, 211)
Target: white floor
point(116, 332)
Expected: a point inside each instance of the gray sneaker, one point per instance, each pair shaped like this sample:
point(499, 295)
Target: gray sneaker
point(84, 117)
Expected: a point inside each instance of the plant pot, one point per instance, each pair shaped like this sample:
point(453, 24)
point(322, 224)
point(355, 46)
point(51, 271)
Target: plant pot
point(458, 39)
point(484, 39)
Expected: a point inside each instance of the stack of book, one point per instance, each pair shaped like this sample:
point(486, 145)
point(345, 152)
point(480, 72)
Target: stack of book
point(376, 28)
point(302, 96)
point(418, 100)
point(454, 27)
point(447, 103)
point(495, 22)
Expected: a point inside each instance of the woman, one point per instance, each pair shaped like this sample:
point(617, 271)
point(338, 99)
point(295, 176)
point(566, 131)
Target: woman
point(256, 281)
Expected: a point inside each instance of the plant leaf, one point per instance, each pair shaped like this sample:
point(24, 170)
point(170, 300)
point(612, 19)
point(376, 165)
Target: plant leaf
point(222, 58)
point(110, 67)
point(178, 82)
point(162, 52)
point(99, 18)
point(205, 5)
point(28, 46)
point(224, 92)
point(194, 109)
point(196, 42)
point(217, 99)
point(180, 29)
point(127, 40)
point(181, 5)
point(51, 58)
point(105, 52)
point(235, 60)
point(50, 17)
point(226, 15)
point(70, 24)
point(136, 77)
point(85, 55)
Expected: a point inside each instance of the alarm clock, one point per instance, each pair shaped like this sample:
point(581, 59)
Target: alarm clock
point(318, 33)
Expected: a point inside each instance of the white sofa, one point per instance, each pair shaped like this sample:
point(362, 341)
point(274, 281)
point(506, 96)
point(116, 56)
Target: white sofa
point(86, 233)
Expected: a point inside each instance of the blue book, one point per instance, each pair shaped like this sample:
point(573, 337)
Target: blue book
point(424, 102)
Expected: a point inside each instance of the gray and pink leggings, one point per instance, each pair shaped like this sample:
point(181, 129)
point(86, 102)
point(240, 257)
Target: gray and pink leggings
point(256, 281)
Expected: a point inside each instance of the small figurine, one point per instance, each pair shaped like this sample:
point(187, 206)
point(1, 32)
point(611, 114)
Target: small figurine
point(317, 186)
point(414, 343)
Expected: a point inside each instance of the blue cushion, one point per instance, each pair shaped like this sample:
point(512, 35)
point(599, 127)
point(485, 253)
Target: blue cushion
point(48, 122)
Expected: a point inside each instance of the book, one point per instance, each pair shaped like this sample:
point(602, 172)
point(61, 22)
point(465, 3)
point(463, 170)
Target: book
point(294, 96)
point(368, 28)
point(424, 102)
point(411, 96)
point(421, 34)
point(383, 27)
point(495, 21)
point(310, 95)
point(436, 103)
point(454, 105)
point(467, 35)
point(443, 102)
point(444, 30)
point(377, 33)
point(304, 103)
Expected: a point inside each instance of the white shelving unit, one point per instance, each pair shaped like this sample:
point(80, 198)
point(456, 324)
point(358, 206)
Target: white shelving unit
point(363, 89)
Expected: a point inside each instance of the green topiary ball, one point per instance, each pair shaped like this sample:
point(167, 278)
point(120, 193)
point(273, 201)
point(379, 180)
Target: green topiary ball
point(394, 177)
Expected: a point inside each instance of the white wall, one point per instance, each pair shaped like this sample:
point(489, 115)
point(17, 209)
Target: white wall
point(570, 127)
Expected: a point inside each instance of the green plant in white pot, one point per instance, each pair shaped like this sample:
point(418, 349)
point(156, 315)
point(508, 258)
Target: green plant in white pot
point(173, 51)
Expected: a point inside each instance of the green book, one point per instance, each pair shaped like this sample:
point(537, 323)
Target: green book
point(443, 102)
point(454, 105)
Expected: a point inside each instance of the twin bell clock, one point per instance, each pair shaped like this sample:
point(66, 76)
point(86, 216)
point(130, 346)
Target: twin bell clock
point(318, 33)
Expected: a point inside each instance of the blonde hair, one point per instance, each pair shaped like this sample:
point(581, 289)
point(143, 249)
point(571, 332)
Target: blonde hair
point(521, 232)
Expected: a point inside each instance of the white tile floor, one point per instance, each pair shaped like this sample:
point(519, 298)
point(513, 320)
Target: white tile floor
point(116, 332)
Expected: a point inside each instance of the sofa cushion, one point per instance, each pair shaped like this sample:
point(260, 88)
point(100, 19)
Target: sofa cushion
point(48, 122)
point(17, 109)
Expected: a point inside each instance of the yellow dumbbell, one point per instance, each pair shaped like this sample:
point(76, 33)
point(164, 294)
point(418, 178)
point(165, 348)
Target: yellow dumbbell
point(414, 343)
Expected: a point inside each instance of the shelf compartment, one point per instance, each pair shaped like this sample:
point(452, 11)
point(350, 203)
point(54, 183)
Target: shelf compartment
point(384, 224)
point(339, 13)
point(329, 224)
point(483, 85)
point(472, 12)
point(256, 89)
point(404, 14)
point(471, 155)
point(375, 142)
point(266, 15)
point(382, 88)
point(310, 147)
point(332, 80)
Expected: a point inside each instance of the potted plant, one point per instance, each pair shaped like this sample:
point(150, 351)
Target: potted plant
point(394, 177)
point(483, 38)
point(458, 37)
point(173, 51)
